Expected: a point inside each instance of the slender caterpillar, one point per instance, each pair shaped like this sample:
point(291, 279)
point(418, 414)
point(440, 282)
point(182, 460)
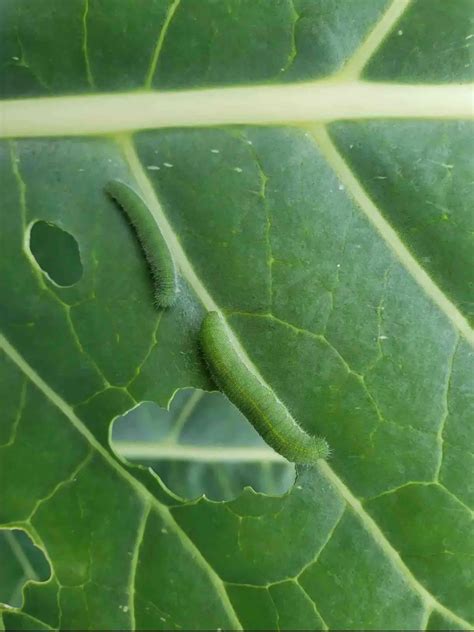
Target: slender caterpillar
point(255, 400)
point(154, 246)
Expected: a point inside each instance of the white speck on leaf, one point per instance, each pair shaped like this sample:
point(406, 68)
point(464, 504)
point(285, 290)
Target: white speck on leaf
point(400, 32)
point(214, 151)
point(168, 164)
point(341, 187)
point(238, 169)
point(383, 337)
point(164, 530)
point(153, 167)
point(15, 58)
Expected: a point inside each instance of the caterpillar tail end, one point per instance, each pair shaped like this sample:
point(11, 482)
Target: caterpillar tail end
point(320, 450)
point(165, 300)
point(324, 449)
point(166, 286)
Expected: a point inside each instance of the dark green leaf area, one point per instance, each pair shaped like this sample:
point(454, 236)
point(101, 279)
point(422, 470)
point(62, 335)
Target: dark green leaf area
point(424, 194)
point(430, 43)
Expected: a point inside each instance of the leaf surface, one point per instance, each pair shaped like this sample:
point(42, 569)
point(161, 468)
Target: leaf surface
point(335, 236)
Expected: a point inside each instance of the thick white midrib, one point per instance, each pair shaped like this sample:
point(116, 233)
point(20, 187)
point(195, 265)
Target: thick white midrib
point(388, 234)
point(148, 498)
point(198, 287)
point(195, 453)
point(319, 101)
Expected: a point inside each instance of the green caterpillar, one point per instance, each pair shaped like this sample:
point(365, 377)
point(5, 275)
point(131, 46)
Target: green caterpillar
point(154, 246)
point(255, 400)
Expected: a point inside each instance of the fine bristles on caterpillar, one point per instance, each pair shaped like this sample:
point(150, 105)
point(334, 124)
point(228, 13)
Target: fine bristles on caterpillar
point(153, 244)
point(256, 401)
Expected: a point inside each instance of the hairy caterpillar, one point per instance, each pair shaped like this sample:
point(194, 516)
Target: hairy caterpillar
point(154, 246)
point(255, 400)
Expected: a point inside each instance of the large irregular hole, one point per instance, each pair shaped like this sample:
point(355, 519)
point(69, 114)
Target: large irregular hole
point(56, 252)
point(202, 445)
point(21, 561)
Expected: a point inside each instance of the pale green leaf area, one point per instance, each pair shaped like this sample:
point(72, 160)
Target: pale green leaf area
point(310, 166)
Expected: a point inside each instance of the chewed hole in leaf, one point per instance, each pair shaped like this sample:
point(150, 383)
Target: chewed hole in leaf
point(20, 561)
point(202, 445)
point(56, 252)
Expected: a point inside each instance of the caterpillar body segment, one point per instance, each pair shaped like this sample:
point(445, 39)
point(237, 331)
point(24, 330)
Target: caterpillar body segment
point(254, 399)
point(154, 246)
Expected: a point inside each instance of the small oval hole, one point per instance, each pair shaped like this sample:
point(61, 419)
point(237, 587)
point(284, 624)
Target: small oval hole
point(56, 252)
